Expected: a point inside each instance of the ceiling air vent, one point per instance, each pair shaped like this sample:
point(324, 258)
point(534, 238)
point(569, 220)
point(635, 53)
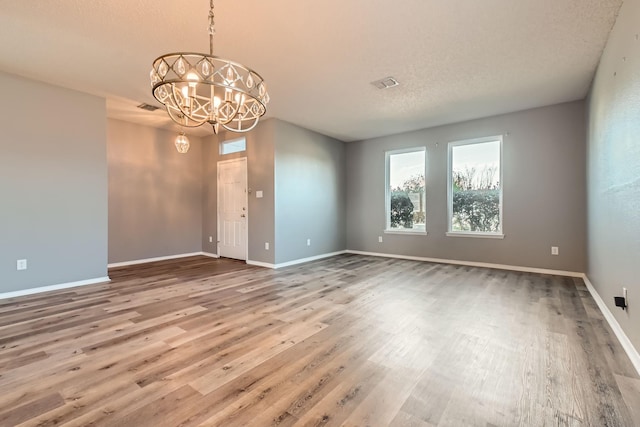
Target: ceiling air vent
point(148, 107)
point(385, 83)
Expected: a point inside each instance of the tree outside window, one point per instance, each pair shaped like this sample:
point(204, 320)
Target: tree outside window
point(406, 197)
point(475, 187)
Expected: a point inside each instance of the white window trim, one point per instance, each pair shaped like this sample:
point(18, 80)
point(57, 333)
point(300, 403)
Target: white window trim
point(405, 232)
point(476, 234)
point(387, 192)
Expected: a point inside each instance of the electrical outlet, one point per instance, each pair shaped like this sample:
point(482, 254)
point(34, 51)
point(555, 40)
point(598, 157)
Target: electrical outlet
point(308, 242)
point(266, 246)
point(379, 239)
point(554, 250)
point(210, 239)
point(21, 264)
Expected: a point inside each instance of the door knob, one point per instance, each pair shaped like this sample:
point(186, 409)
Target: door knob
point(242, 216)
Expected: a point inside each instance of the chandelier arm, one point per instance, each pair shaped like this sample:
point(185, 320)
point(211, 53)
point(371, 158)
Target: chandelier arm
point(239, 129)
point(186, 112)
point(180, 119)
point(177, 114)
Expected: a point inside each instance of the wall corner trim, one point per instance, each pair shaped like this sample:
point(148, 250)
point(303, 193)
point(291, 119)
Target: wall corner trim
point(57, 287)
point(624, 340)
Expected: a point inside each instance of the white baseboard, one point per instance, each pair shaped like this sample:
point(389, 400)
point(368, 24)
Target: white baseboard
point(472, 264)
point(160, 258)
point(631, 351)
point(41, 289)
point(260, 264)
point(210, 255)
point(295, 261)
point(309, 259)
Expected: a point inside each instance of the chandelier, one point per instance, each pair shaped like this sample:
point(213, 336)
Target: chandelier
point(197, 88)
point(182, 143)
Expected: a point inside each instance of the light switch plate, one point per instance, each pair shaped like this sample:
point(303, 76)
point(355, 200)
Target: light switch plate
point(259, 194)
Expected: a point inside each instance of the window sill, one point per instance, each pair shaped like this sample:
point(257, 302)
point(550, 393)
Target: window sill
point(406, 232)
point(475, 235)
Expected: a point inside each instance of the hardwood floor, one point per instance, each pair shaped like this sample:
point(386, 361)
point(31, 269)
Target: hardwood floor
point(351, 340)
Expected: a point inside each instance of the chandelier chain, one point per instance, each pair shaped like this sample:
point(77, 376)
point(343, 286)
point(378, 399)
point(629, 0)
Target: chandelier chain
point(212, 28)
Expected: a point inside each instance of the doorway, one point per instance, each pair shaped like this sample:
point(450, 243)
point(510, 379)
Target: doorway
point(232, 208)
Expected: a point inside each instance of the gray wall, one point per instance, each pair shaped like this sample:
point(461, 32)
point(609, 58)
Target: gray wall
point(53, 185)
point(301, 175)
point(260, 171)
point(614, 171)
point(209, 193)
point(544, 191)
point(310, 193)
point(155, 193)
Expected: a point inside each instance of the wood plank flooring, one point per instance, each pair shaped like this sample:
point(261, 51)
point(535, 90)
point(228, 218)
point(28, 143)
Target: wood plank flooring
point(350, 340)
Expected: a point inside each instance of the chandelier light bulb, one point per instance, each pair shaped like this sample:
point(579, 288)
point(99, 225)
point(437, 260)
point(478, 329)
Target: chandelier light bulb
point(192, 78)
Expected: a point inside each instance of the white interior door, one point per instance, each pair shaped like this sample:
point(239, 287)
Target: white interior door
point(232, 208)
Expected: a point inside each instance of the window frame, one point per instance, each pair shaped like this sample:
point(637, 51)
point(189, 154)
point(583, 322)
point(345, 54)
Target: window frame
point(230, 142)
point(476, 234)
point(387, 191)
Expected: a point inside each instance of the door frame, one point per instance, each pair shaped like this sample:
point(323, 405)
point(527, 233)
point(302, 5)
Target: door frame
point(246, 198)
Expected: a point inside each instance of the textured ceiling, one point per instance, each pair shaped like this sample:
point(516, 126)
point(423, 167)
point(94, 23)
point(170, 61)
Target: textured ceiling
point(455, 59)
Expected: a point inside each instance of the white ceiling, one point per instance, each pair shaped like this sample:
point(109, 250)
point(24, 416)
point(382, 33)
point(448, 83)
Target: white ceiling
point(455, 59)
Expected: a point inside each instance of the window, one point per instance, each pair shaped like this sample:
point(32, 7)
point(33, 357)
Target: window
point(475, 187)
point(405, 191)
point(233, 146)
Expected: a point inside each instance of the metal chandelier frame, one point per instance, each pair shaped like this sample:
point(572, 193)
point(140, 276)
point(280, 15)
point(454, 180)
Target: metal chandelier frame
point(198, 88)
